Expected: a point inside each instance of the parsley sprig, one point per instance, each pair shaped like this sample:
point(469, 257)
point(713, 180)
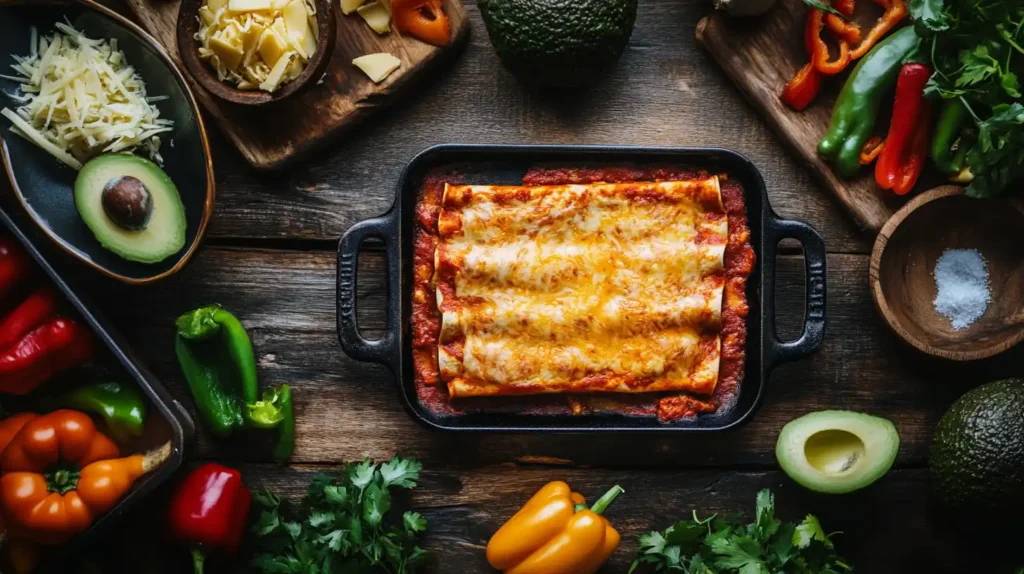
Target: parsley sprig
point(716, 545)
point(342, 525)
point(976, 48)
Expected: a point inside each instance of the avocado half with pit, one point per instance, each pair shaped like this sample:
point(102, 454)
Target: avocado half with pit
point(837, 451)
point(131, 206)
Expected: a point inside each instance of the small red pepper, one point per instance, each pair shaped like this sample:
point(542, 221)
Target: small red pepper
point(15, 266)
point(803, 88)
point(209, 511)
point(34, 311)
point(906, 147)
point(422, 19)
point(53, 347)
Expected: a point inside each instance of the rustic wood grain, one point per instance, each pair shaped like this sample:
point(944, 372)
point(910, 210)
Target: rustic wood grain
point(887, 528)
point(269, 138)
point(348, 409)
point(760, 56)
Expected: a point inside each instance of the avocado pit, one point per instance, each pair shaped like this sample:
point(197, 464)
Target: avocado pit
point(127, 202)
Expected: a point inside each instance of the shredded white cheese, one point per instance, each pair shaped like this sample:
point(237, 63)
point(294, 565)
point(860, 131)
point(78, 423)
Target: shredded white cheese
point(79, 98)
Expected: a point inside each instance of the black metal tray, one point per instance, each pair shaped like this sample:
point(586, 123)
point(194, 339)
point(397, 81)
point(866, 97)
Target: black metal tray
point(506, 164)
point(167, 419)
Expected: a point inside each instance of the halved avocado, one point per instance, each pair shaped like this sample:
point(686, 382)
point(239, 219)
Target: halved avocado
point(131, 206)
point(837, 451)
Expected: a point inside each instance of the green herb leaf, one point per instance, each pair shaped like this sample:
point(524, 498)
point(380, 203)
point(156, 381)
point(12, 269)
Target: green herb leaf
point(398, 472)
point(825, 7)
point(929, 15)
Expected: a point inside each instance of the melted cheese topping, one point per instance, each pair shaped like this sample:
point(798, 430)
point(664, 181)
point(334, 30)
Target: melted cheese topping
point(604, 287)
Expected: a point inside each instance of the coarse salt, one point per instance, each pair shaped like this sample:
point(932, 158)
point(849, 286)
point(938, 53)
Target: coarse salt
point(961, 278)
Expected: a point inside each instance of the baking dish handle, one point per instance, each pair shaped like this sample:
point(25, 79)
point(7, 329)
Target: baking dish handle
point(813, 334)
point(385, 349)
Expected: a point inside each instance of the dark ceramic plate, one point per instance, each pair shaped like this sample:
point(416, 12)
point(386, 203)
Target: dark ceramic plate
point(44, 185)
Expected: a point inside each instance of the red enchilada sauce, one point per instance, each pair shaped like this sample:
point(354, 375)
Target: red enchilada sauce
point(426, 320)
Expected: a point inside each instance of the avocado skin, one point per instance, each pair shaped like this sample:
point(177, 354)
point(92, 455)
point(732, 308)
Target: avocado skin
point(558, 43)
point(976, 462)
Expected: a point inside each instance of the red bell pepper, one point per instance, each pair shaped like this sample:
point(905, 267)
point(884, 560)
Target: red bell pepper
point(15, 266)
point(803, 88)
point(906, 147)
point(56, 346)
point(34, 311)
point(209, 511)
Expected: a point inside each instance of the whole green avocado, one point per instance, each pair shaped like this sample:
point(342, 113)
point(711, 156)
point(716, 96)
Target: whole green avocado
point(558, 43)
point(976, 463)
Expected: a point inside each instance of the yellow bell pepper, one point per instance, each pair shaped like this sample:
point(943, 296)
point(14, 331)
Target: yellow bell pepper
point(555, 533)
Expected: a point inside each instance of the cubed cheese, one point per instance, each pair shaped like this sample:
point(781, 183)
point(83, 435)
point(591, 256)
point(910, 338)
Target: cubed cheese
point(230, 55)
point(377, 66)
point(248, 5)
point(272, 47)
point(349, 6)
point(377, 16)
point(277, 72)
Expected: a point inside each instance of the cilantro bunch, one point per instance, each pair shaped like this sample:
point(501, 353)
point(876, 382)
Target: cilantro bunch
point(342, 525)
point(976, 49)
point(716, 545)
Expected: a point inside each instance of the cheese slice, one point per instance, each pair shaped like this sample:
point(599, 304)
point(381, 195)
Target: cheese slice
point(377, 66)
point(272, 47)
point(377, 16)
point(277, 72)
point(230, 54)
point(248, 5)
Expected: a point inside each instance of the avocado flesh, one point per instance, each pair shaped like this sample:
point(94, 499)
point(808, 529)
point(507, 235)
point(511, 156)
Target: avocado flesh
point(837, 451)
point(164, 233)
point(558, 43)
point(976, 461)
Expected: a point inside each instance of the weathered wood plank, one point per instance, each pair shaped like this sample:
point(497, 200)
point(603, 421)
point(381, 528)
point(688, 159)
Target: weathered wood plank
point(666, 91)
point(887, 528)
point(349, 409)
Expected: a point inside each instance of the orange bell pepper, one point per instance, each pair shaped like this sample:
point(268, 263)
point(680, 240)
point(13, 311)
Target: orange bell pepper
point(555, 533)
point(10, 427)
point(803, 88)
point(818, 49)
point(871, 149)
point(59, 473)
point(895, 12)
point(422, 19)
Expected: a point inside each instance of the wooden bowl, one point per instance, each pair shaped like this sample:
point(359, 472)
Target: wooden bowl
point(43, 186)
point(201, 72)
point(903, 261)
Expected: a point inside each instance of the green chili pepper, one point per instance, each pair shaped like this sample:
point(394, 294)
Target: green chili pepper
point(216, 355)
point(855, 112)
point(947, 154)
point(121, 407)
point(284, 443)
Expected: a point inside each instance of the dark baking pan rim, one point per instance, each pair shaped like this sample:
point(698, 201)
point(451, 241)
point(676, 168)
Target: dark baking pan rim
point(182, 429)
point(499, 164)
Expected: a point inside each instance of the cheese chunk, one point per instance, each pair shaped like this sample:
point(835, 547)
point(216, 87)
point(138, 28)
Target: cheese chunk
point(377, 66)
point(377, 16)
point(277, 73)
point(230, 54)
point(349, 6)
point(248, 5)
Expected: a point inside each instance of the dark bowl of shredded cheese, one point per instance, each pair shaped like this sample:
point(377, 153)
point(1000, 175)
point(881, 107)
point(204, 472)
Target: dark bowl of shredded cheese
point(947, 274)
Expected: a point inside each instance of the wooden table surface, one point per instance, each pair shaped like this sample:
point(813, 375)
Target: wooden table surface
point(270, 257)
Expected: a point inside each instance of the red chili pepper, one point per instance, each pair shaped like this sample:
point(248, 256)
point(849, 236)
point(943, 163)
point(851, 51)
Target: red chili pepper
point(209, 510)
point(45, 351)
point(34, 311)
point(803, 88)
point(15, 266)
point(906, 147)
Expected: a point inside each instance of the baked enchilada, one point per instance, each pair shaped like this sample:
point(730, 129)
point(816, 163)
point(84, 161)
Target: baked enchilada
point(581, 287)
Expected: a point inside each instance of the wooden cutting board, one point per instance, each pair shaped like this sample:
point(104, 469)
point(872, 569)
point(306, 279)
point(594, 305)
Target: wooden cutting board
point(760, 55)
point(270, 137)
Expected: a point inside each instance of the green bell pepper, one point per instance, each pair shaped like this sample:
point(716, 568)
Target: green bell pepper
point(284, 442)
point(121, 406)
point(946, 153)
point(855, 112)
point(216, 355)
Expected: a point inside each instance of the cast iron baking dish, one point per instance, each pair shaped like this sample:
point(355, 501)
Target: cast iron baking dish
point(167, 420)
point(506, 165)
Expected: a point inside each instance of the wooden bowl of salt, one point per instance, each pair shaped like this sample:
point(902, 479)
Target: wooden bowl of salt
point(947, 274)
